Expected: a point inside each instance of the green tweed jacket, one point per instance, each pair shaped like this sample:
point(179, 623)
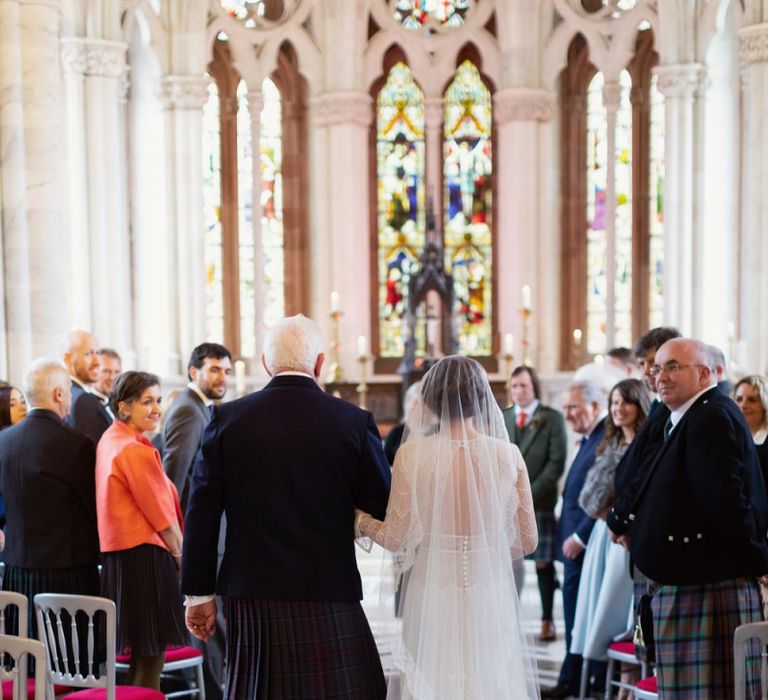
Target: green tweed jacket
point(543, 444)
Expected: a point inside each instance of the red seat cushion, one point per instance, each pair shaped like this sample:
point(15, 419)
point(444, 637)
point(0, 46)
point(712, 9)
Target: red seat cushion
point(8, 689)
point(623, 647)
point(122, 692)
point(171, 654)
point(649, 684)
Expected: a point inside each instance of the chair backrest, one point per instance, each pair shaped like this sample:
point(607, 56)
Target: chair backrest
point(20, 602)
point(67, 624)
point(743, 634)
point(19, 649)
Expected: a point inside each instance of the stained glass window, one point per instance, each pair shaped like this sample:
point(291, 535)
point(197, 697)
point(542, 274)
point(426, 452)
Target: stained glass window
point(467, 207)
point(400, 201)
point(271, 151)
point(656, 218)
point(416, 14)
point(214, 301)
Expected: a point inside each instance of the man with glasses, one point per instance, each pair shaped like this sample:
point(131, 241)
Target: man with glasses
point(696, 526)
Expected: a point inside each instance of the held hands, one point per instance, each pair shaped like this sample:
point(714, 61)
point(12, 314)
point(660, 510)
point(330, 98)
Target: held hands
point(572, 548)
point(201, 620)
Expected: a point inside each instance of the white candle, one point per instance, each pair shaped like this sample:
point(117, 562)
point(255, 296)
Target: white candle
point(509, 344)
point(239, 377)
point(526, 297)
point(335, 299)
point(731, 330)
point(577, 336)
point(362, 346)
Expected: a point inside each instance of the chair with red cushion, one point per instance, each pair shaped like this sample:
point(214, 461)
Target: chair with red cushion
point(14, 652)
point(61, 635)
point(176, 659)
point(624, 653)
point(647, 689)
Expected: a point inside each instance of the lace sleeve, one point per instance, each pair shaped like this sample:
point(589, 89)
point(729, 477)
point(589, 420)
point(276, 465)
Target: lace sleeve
point(522, 515)
point(392, 534)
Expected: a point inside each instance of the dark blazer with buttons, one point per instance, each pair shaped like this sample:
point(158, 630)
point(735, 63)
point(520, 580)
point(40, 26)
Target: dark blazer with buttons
point(543, 444)
point(87, 414)
point(47, 481)
point(288, 465)
point(573, 519)
point(701, 514)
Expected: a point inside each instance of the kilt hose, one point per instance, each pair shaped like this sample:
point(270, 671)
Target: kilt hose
point(693, 629)
point(300, 650)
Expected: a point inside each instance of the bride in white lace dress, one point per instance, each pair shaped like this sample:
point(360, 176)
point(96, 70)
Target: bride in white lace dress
point(459, 513)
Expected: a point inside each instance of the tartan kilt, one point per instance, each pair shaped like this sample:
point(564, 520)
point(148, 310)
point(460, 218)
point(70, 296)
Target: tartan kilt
point(300, 650)
point(547, 527)
point(693, 628)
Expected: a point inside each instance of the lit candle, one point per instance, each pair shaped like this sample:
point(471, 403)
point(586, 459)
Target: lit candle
point(239, 377)
point(731, 330)
point(599, 360)
point(362, 346)
point(577, 336)
point(526, 297)
point(335, 299)
point(509, 344)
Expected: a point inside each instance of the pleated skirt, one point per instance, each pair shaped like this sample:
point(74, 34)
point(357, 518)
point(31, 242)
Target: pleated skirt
point(144, 583)
point(300, 650)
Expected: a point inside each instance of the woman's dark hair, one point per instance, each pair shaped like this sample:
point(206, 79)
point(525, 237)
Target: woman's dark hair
point(456, 383)
point(632, 391)
point(129, 386)
point(532, 374)
point(5, 405)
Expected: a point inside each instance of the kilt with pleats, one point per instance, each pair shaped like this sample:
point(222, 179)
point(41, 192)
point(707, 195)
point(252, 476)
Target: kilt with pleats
point(693, 629)
point(546, 525)
point(300, 650)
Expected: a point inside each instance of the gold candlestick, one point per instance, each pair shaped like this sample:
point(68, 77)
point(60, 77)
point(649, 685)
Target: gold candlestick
point(362, 387)
point(335, 375)
point(506, 364)
point(525, 312)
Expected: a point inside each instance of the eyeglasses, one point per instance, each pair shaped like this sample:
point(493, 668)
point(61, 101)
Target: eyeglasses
point(670, 368)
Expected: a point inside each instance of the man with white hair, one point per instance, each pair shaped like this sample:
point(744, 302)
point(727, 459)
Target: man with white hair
point(46, 478)
point(695, 524)
point(288, 465)
point(87, 414)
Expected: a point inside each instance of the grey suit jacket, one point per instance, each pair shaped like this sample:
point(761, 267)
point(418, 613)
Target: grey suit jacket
point(182, 433)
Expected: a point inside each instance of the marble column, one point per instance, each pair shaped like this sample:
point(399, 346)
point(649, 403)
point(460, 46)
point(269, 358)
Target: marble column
point(433, 117)
point(184, 97)
point(16, 346)
point(611, 102)
point(753, 264)
point(680, 85)
point(526, 243)
point(44, 125)
point(341, 230)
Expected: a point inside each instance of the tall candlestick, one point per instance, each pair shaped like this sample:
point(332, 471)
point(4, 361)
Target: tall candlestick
point(525, 312)
point(362, 387)
point(576, 351)
point(506, 366)
point(239, 378)
point(334, 374)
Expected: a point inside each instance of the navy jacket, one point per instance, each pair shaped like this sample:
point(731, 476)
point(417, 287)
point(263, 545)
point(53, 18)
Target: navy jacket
point(288, 465)
point(573, 519)
point(87, 414)
point(700, 512)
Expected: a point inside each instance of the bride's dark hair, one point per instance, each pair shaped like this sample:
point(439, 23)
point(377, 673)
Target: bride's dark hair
point(455, 383)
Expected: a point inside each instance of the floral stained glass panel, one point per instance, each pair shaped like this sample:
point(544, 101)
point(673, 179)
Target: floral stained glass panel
point(656, 203)
point(400, 203)
point(415, 14)
point(214, 302)
point(272, 246)
point(467, 207)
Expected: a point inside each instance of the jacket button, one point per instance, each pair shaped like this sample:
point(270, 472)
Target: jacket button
point(686, 539)
point(671, 539)
point(631, 516)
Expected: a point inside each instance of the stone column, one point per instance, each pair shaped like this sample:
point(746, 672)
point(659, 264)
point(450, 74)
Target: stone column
point(16, 322)
point(184, 97)
point(753, 264)
point(433, 142)
point(526, 244)
point(340, 245)
point(255, 105)
point(680, 84)
point(611, 102)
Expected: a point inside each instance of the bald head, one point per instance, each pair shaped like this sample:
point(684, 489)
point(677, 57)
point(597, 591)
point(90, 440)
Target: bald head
point(46, 385)
point(685, 367)
point(80, 356)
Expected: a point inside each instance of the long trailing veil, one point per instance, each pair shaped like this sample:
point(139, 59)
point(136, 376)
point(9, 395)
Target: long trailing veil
point(459, 513)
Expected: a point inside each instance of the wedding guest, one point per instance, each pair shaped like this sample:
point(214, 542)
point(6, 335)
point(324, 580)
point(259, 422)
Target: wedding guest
point(13, 406)
point(751, 396)
point(139, 530)
point(623, 359)
point(721, 371)
point(395, 436)
point(110, 366)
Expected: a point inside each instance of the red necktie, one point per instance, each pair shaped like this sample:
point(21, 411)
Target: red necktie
point(521, 417)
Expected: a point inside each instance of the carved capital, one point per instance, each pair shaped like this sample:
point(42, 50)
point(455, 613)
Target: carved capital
point(753, 44)
point(255, 105)
point(93, 57)
point(611, 97)
point(184, 91)
point(342, 108)
point(433, 112)
point(681, 80)
point(522, 105)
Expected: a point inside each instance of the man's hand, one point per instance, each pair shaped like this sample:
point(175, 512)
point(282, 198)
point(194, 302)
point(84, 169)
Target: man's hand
point(201, 620)
point(623, 540)
point(572, 548)
point(763, 579)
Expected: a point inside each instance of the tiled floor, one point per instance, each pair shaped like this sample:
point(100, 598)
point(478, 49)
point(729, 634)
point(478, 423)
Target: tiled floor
point(378, 603)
